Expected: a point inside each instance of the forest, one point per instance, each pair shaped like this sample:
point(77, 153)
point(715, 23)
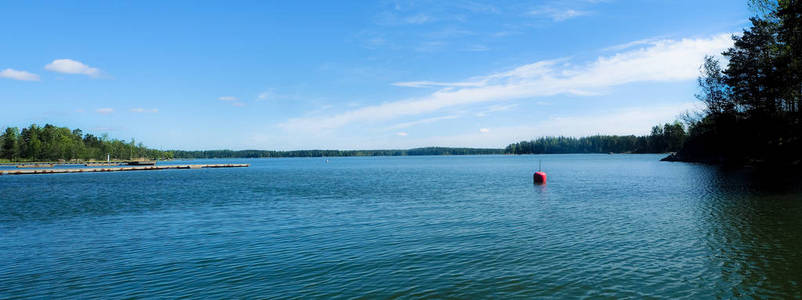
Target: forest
point(752, 114)
point(332, 153)
point(668, 138)
point(50, 143)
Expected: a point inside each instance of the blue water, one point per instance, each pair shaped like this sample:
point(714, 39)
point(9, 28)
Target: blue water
point(376, 227)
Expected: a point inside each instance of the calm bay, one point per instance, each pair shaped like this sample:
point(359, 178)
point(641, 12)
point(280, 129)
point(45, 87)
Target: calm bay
point(430, 226)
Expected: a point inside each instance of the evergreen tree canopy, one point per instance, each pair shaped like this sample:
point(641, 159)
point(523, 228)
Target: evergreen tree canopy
point(50, 143)
point(752, 111)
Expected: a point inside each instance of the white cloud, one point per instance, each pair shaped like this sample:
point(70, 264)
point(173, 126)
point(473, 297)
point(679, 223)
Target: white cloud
point(70, 66)
point(425, 84)
point(104, 111)
point(430, 46)
point(401, 134)
point(558, 14)
point(238, 104)
point(417, 19)
point(265, 95)
point(484, 130)
point(650, 41)
point(19, 75)
point(272, 95)
point(477, 48)
point(495, 108)
point(389, 18)
point(143, 110)
point(227, 98)
point(504, 33)
point(422, 121)
point(663, 61)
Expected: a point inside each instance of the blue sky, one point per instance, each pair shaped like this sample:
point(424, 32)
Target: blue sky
point(353, 74)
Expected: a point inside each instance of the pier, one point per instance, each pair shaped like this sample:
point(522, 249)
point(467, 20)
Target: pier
point(117, 169)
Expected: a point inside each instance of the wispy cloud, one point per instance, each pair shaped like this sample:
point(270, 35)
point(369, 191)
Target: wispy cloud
point(143, 110)
point(18, 75)
point(273, 95)
point(427, 84)
point(477, 48)
point(69, 66)
point(104, 110)
point(447, 33)
point(663, 61)
point(417, 19)
point(227, 98)
point(430, 46)
point(265, 95)
point(495, 108)
point(505, 33)
point(401, 134)
point(484, 130)
point(625, 121)
point(422, 121)
point(624, 46)
point(396, 18)
point(558, 14)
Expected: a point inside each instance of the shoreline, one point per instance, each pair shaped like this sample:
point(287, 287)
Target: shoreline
point(118, 169)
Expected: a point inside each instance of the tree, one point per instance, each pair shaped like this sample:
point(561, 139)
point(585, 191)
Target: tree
point(54, 143)
point(30, 146)
point(752, 111)
point(789, 14)
point(751, 73)
point(674, 136)
point(9, 149)
point(714, 91)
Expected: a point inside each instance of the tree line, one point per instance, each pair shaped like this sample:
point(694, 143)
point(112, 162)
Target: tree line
point(332, 153)
point(50, 143)
point(752, 113)
point(668, 138)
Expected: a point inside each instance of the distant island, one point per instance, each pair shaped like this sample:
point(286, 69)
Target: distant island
point(665, 139)
point(333, 153)
point(52, 143)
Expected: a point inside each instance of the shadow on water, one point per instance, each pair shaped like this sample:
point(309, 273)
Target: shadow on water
point(751, 221)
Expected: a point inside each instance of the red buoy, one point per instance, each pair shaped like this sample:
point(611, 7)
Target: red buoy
point(539, 177)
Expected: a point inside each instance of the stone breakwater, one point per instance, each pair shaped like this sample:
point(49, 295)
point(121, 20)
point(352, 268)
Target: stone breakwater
point(118, 169)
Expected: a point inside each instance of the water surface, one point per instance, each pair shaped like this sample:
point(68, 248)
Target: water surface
point(446, 226)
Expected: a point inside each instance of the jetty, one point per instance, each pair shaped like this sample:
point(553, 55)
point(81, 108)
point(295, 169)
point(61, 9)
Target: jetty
point(117, 169)
point(101, 164)
point(35, 165)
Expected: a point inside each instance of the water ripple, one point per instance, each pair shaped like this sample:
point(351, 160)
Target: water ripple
point(606, 226)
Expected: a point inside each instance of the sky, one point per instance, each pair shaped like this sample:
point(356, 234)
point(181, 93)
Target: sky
point(285, 75)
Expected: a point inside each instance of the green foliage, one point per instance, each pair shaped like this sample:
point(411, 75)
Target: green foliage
point(714, 91)
point(8, 143)
point(664, 139)
point(332, 153)
point(752, 105)
point(50, 143)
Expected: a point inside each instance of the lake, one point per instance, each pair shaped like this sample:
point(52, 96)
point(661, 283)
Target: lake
point(617, 226)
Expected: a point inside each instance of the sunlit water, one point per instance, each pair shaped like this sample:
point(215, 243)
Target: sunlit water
point(458, 226)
